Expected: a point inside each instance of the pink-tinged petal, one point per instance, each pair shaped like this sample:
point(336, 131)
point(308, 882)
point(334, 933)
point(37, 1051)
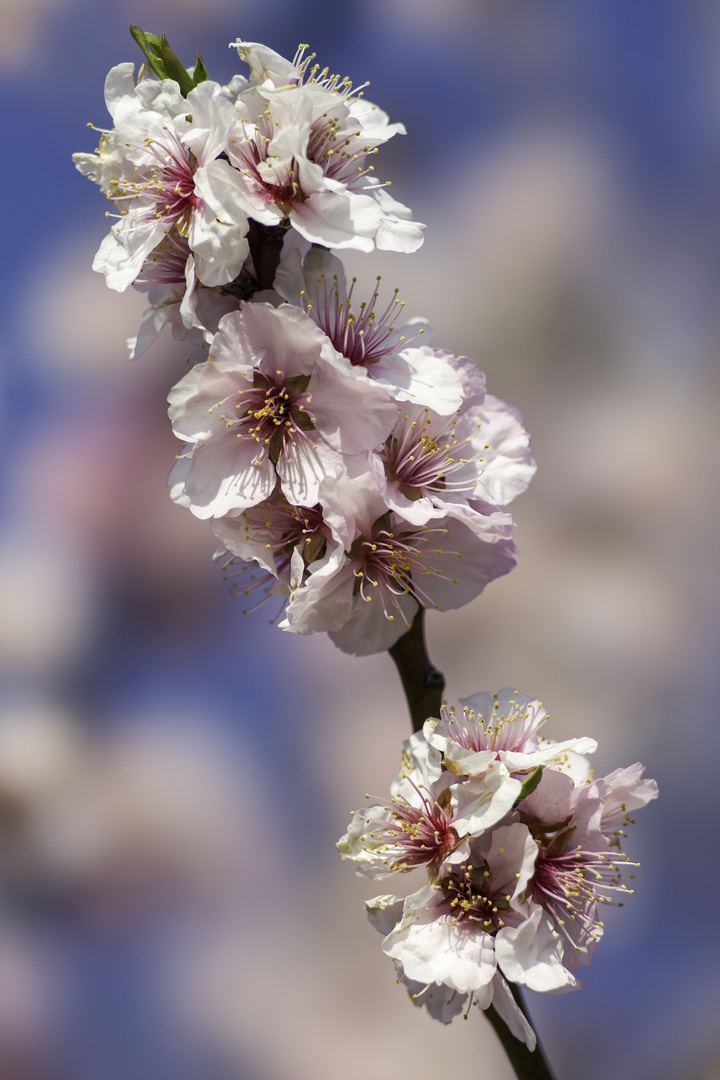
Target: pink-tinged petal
point(511, 853)
point(338, 219)
point(460, 563)
point(509, 1011)
point(531, 955)
point(323, 603)
point(422, 376)
point(352, 504)
point(384, 912)
point(553, 799)
point(396, 231)
point(226, 475)
point(437, 949)
point(442, 1002)
point(508, 466)
point(303, 468)
point(354, 417)
point(371, 628)
point(196, 408)
point(285, 338)
point(624, 791)
point(484, 800)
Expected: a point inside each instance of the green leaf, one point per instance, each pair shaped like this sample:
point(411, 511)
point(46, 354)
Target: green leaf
point(200, 73)
point(174, 67)
point(150, 45)
point(166, 63)
point(529, 786)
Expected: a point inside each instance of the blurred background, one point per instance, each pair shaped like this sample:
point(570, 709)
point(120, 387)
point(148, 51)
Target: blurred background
point(173, 775)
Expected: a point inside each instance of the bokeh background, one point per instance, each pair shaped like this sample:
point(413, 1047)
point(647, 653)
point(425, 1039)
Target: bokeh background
point(173, 776)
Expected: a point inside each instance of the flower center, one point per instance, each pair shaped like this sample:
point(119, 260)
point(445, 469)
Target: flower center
point(280, 526)
point(421, 834)
point(421, 459)
point(165, 265)
point(392, 563)
point(167, 183)
point(363, 338)
point(273, 413)
point(570, 882)
point(511, 730)
point(472, 898)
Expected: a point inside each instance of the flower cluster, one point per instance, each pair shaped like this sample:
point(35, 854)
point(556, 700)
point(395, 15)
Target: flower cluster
point(348, 466)
point(192, 180)
point(521, 845)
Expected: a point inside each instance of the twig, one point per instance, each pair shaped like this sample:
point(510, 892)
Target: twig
point(422, 682)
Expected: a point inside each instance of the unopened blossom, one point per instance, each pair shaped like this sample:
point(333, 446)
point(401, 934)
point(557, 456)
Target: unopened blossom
point(301, 149)
point(265, 408)
point(160, 167)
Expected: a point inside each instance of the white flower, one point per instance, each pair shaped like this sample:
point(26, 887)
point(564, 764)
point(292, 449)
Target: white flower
point(301, 149)
point(475, 458)
point(268, 548)
point(267, 407)
point(392, 567)
point(512, 896)
point(505, 725)
point(456, 933)
point(365, 342)
point(429, 813)
point(160, 168)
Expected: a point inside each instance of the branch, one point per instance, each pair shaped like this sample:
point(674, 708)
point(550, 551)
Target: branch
point(422, 682)
point(527, 1064)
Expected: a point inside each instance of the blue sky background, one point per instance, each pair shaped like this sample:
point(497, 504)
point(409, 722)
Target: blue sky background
point(172, 776)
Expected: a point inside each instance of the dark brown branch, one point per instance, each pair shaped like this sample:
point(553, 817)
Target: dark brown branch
point(422, 682)
point(527, 1064)
point(265, 242)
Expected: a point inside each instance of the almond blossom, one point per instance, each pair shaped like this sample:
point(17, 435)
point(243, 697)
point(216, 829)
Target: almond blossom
point(301, 147)
point(266, 407)
point(424, 825)
point(161, 169)
point(505, 725)
point(367, 342)
point(393, 567)
point(520, 855)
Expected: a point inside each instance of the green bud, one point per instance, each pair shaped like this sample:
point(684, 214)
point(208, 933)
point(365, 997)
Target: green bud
point(529, 786)
point(165, 63)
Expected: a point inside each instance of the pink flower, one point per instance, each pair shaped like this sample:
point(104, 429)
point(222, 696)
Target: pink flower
point(392, 567)
point(301, 149)
point(265, 408)
point(160, 167)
